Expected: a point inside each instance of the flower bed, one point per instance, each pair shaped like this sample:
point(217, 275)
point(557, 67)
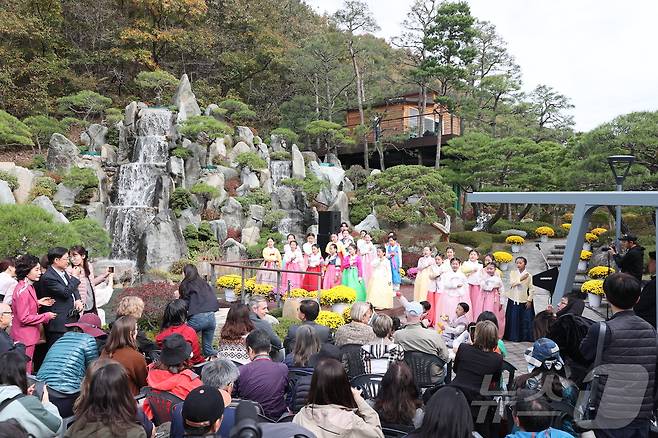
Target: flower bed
point(598, 272)
point(545, 231)
point(338, 294)
point(593, 287)
point(502, 257)
point(300, 293)
point(330, 319)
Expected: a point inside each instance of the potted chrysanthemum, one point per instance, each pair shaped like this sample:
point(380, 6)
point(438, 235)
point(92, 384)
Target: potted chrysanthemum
point(329, 319)
point(594, 291)
point(230, 284)
point(516, 242)
point(338, 298)
point(566, 227)
point(590, 238)
point(503, 258)
point(584, 258)
point(544, 233)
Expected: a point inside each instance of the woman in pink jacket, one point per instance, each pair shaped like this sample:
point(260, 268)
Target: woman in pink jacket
point(25, 306)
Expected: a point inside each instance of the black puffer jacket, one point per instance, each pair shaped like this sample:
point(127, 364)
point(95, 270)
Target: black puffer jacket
point(632, 262)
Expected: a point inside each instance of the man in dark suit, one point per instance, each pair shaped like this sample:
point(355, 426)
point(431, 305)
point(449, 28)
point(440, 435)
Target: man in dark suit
point(56, 283)
point(308, 312)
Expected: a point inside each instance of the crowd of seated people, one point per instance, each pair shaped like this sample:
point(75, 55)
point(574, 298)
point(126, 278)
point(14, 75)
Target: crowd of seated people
point(371, 377)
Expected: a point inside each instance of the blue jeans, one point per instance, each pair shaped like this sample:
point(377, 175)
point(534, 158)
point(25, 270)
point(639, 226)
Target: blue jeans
point(204, 323)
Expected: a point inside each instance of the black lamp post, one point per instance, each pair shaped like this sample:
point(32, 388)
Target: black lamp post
point(620, 166)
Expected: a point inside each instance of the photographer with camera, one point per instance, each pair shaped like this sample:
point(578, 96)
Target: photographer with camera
point(632, 260)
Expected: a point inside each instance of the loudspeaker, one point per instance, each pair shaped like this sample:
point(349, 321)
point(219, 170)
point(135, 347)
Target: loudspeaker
point(323, 240)
point(328, 222)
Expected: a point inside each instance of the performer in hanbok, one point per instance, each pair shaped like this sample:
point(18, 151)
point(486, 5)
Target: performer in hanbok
point(519, 314)
point(454, 326)
point(286, 247)
point(315, 261)
point(353, 273)
point(293, 260)
point(346, 238)
point(394, 254)
point(422, 282)
point(360, 240)
point(489, 258)
point(342, 251)
point(332, 268)
point(380, 289)
point(450, 254)
point(368, 253)
point(471, 268)
point(307, 247)
point(272, 260)
point(454, 290)
point(434, 285)
point(491, 286)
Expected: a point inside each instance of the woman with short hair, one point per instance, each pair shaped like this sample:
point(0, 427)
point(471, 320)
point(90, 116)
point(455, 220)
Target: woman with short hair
point(358, 331)
point(380, 354)
point(121, 346)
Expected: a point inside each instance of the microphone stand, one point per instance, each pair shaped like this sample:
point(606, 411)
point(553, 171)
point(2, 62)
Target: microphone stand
point(548, 265)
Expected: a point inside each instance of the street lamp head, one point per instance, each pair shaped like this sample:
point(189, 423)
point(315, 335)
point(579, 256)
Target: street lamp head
point(620, 166)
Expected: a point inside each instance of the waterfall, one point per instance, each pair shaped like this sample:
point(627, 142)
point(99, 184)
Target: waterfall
point(139, 183)
point(280, 170)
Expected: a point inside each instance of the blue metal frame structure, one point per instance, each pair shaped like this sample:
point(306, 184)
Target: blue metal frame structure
point(585, 203)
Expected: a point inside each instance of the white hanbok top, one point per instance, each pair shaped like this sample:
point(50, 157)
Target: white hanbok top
point(291, 256)
point(472, 271)
point(314, 260)
point(454, 284)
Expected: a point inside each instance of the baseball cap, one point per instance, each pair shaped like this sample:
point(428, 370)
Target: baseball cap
point(628, 238)
point(202, 407)
point(544, 352)
point(414, 308)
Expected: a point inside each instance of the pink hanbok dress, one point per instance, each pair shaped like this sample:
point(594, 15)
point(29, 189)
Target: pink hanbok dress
point(332, 272)
point(489, 299)
point(368, 253)
point(293, 261)
point(453, 290)
point(472, 271)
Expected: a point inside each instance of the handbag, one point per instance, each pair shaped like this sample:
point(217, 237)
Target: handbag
point(588, 399)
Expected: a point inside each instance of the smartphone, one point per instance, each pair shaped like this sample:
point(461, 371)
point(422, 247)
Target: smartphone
point(110, 269)
point(471, 332)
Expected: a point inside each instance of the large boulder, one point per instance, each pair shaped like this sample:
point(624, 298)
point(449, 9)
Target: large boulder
point(250, 236)
point(185, 100)
point(280, 170)
point(188, 217)
point(369, 223)
point(228, 172)
point(284, 198)
point(219, 229)
point(262, 151)
point(333, 176)
point(94, 136)
point(177, 167)
point(341, 203)
point(61, 153)
point(25, 179)
point(265, 178)
point(66, 195)
point(233, 250)
point(217, 149)
point(255, 218)
point(243, 133)
point(193, 166)
point(46, 204)
point(232, 214)
point(6, 196)
point(130, 115)
point(310, 156)
point(96, 211)
point(240, 148)
point(210, 109)
point(216, 180)
point(277, 143)
point(161, 244)
point(109, 153)
point(249, 179)
point(298, 165)
point(347, 185)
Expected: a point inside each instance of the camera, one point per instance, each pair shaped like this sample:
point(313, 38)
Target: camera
point(605, 248)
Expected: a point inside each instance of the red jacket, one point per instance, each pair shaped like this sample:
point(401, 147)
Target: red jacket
point(27, 319)
point(177, 384)
point(190, 336)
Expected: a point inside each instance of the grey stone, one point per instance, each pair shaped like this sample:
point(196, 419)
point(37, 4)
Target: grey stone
point(161, 244)
point(130, 115)
point(341, 203)
point(109, 153)
point(94, 136)
point(369, 223)
point(25, 177)
point(310, 156)
point(210, 109)
point(185, 100)
point(250, 236)
point(240, 148)
point(375, 172)
point(6, 196)
point(233, 250)
point(219, 229)
point(96, 211)
point(46, 204)
point(228, 141)
point(333, 176)
point(513, 232)
point(228, 172)
point(256, 212)
point(61, 153)
point(249, 179)
point(192, 169)
point(332, 159)
point(265, 180)
point(232, 214)
point(217, 149)
point(216, 180)
point(292, 223)
point(177, 167)
point(188, 217)
point(244, 134)
point(280, 170)
point(284, 198)
point(66, 195)
point(277, 143)
point(298, 166)
point(347, 185)
point(261, 150)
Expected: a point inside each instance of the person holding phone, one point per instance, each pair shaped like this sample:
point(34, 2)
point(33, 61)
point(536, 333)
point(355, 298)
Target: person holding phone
point(27, 321)
point(83, 270)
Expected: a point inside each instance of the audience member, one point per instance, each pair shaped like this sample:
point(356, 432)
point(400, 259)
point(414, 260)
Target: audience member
point(645, 308)
point(379, 354)
point(335, 408)
point(397, 402)
point(415, 337)
point(121, 346)
point(170, 372)
point(262, 380)
point(475, 365)
point(134, 306)
point(12, 429)
point(527, 413)
point(27, 320)
point(174, 321)
point(221, 374)
point(629, 342)
point(57, 284)
point(632, 260)
point(259, 310)
point(308, 312)
point(447, 414)
point(455, 326)
point(67, 360)
point(6, 342)
point(306, 345)
point(202, 411)
point(358, 331)
point(39, 418)
point(109, 409)
point(83, 270)
point(7, 279)
point(466, 336)
point(201, 307)
point(569, 304)
point(232, 343)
